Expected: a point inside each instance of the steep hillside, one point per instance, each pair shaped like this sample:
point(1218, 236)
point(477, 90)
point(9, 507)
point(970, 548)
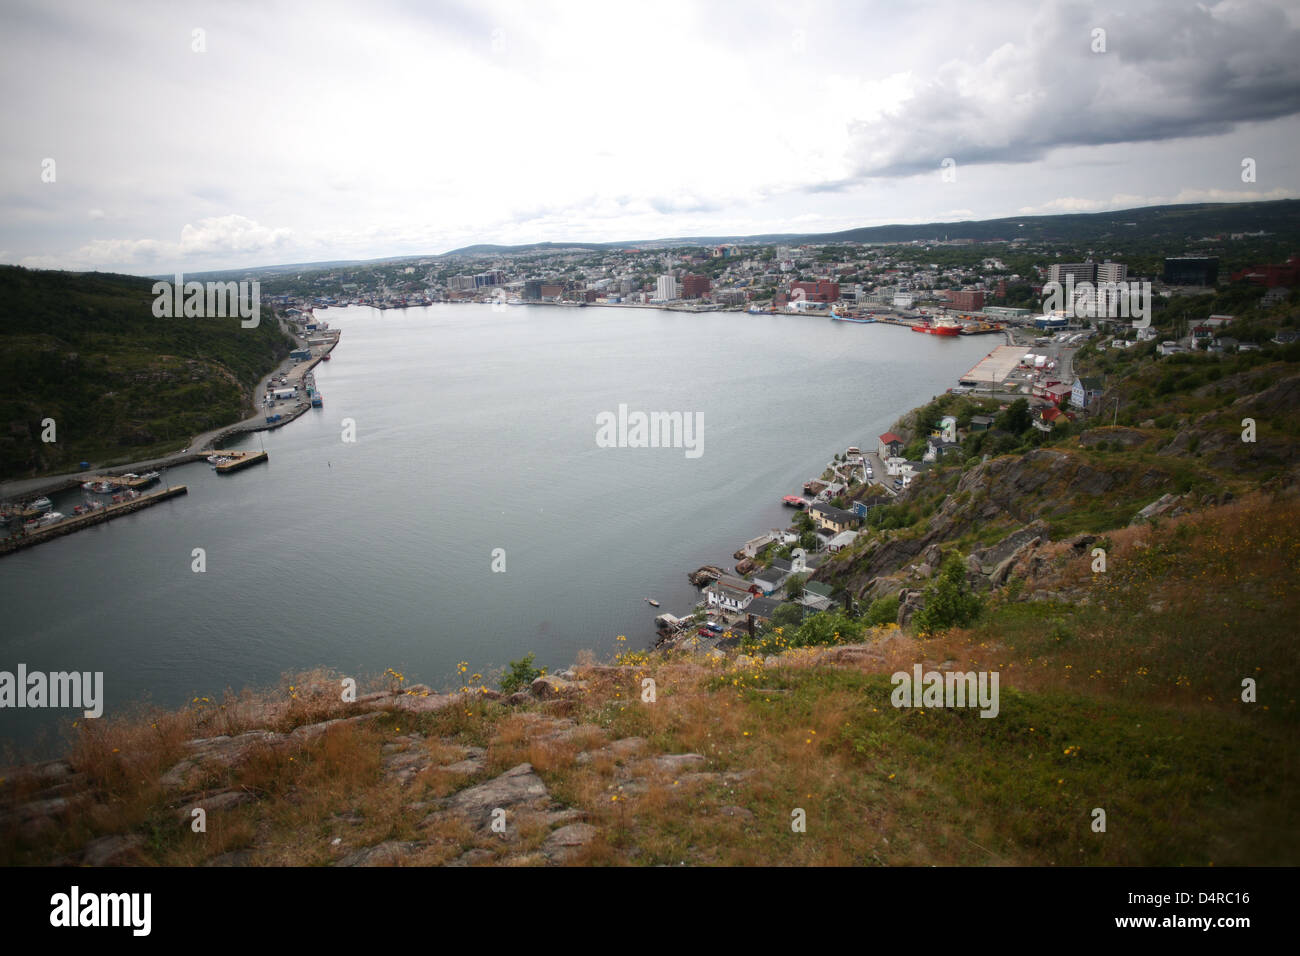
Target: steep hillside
point(86, 351)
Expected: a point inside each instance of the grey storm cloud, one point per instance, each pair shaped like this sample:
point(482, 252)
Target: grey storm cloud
point(1165, 73)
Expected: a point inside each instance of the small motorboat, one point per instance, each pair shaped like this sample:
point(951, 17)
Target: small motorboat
point(41, 504)
point(652, 602)
point(98, 487)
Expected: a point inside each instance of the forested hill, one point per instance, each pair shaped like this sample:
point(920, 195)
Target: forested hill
point(86, 350)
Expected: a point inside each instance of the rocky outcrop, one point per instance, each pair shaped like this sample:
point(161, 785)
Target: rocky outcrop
point(1124, 437)
point(552, 686)
point(1164, 506)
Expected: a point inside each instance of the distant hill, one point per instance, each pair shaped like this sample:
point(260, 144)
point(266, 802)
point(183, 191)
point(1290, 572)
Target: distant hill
point(1280, 216)
point(86, 350)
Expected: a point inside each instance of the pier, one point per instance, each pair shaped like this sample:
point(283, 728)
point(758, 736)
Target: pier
point(239, 460)
point(994, 368)
point(68, 525)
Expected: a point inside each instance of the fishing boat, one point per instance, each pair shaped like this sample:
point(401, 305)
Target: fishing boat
point(793, 501)
point(215, 459)
point(317, 401)
point(864, 320)
point(98, 487)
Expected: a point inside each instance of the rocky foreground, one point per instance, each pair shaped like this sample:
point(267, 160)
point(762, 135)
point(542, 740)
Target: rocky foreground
point(446, 790)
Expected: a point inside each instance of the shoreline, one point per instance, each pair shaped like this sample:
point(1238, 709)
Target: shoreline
point(197, 449)
point(669, 639)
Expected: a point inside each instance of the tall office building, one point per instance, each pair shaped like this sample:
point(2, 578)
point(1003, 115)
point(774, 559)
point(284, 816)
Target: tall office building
point(1192, 270)
point(695, 287)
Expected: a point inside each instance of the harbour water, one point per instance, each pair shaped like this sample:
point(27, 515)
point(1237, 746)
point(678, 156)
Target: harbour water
point(475, 430)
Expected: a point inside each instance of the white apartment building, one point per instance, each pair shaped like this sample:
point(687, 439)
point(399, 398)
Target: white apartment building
point(1112, 272)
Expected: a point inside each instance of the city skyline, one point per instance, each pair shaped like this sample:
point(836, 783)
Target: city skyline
point(301, 134)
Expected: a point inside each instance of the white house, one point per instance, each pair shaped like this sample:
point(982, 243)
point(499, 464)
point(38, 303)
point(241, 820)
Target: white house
point(841, 541)
point(727, 597)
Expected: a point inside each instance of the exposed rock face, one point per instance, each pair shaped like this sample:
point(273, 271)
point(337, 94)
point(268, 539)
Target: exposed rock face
point(854, 654)
point(1164, 505)
point(567, 841)
point(517, 786)
point(1125, 437)
point(676, 763)
point(551, 686)
point(391, 853)
point(215, 803)
point(212, 754)
point(990, 558)
point(112, 850)
point(909, 602)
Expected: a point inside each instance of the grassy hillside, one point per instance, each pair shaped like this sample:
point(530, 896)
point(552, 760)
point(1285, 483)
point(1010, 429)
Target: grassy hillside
point(87, 351)
point(1126, 698)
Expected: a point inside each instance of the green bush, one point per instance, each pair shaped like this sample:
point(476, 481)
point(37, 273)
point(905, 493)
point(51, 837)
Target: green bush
point(949, 601)
point(882, 611)
point(521, 674)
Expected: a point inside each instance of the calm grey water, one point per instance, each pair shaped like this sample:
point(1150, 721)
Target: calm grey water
point(476, 429)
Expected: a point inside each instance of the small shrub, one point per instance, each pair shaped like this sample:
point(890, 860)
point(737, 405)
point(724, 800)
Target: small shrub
point(520, 675)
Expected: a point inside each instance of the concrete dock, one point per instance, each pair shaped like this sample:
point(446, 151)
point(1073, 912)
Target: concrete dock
point(239, 460)
point(994, 368)
point(68, 525)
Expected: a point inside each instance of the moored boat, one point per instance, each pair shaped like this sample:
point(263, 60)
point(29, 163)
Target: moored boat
point(940, 326)
point(864, 320)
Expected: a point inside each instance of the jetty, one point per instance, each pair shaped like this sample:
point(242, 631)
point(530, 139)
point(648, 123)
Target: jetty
point(994, 368)
point(238, 460)
point(29, 538)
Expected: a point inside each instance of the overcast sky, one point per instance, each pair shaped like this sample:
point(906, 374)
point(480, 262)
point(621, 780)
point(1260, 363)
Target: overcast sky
point(321, 130)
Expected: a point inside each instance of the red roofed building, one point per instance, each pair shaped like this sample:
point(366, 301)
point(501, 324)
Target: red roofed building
point(890, 445)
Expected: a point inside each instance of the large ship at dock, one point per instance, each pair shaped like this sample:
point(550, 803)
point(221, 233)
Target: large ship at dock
point(940, 326)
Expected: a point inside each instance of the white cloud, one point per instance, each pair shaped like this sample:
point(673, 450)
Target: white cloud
point(313, 131)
